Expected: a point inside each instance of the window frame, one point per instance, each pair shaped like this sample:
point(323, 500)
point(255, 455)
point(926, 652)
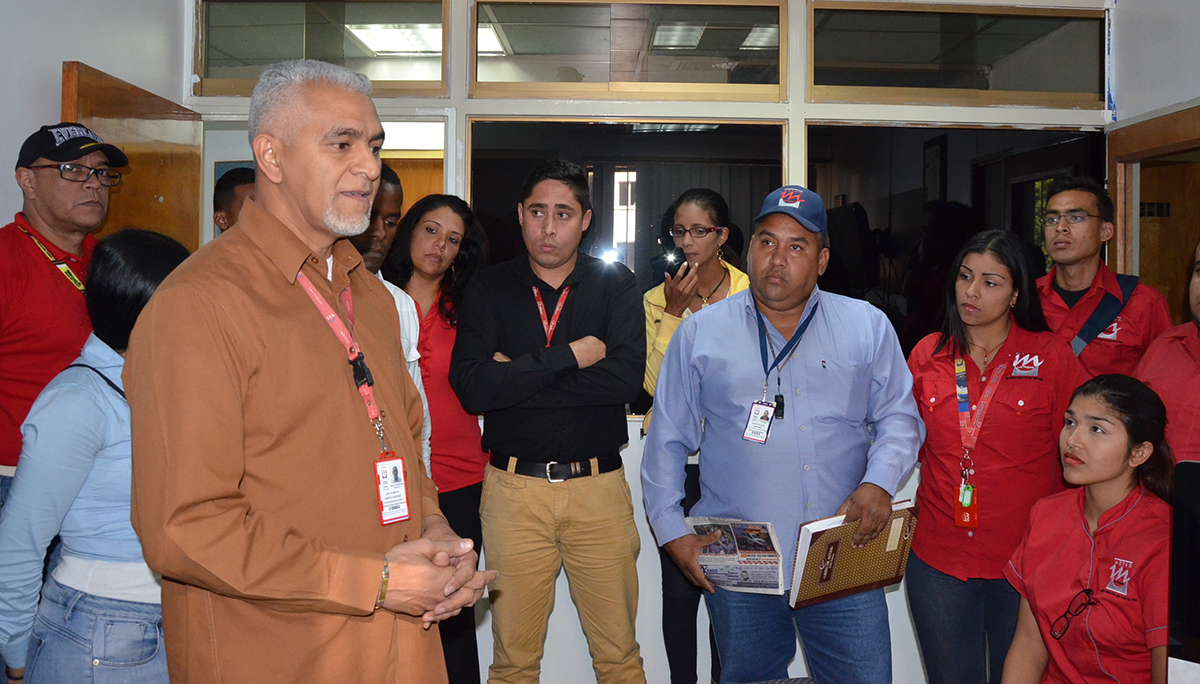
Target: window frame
point(959, 97)
point(625, 90)
point(203, 86)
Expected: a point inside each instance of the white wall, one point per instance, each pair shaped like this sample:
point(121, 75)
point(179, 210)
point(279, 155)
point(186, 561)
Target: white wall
point(140, 41)
point(568, 661)
point(1155, 52)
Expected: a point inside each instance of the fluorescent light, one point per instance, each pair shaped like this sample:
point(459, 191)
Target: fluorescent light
point(762, 38)
point(414, 135)
point(488, 41)
point(672, 128)
point(399, 39)
point(677, 36)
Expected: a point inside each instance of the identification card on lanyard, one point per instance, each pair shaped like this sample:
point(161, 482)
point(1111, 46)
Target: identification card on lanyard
point(763, 413)
point(966, 502)
point(549, 324)
point(389, 469)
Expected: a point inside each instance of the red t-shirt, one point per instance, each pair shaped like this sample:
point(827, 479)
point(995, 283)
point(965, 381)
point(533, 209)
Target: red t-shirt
point(43, 324)
point(457, 459)
point(1126, 564)
point(1117, 349)
point(1015, 458)
point(1171, 367)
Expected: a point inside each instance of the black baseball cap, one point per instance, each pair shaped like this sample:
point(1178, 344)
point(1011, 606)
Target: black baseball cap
point(67, 141)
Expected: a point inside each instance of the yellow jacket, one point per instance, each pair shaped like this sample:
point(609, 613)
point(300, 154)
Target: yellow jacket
point(660, 325)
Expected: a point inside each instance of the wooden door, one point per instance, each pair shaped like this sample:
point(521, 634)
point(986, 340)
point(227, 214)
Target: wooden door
point(160, 190)
point(418, 177)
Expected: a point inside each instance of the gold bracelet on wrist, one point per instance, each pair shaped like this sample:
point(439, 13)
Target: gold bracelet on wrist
point(383, 586)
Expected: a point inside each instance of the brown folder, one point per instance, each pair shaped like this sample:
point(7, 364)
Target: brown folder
point(828, 567)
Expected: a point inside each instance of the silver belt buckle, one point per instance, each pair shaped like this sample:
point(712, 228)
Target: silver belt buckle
point(548, 477)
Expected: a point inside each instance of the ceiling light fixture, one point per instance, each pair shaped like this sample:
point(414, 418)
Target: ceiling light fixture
point(762, 38)
point(395, 40)
point(677, 36)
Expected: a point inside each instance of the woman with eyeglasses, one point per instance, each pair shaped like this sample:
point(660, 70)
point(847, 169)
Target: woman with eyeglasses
point(439, 246)
point(992, 387)
point(700, 227)
point(1093, 567)
point(99, 617)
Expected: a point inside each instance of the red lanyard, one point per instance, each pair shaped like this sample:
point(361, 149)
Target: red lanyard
point(552, 323)
point(362, 374)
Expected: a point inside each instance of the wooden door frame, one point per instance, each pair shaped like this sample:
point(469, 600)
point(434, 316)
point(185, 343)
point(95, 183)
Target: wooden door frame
point(1133, 144)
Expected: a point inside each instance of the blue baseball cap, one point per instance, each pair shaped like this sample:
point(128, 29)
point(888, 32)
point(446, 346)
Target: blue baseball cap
point(802, 204)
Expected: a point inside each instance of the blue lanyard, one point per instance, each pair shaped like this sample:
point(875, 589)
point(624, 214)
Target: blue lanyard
point(787, 349)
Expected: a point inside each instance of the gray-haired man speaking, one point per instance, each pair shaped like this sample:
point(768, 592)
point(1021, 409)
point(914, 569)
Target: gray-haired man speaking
point(277, 482)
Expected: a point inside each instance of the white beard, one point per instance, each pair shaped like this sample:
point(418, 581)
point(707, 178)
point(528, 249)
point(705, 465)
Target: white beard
point(346, 226)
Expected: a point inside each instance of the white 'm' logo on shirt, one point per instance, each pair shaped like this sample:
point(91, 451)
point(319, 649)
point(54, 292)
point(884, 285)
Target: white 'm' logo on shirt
point(1118, 579)
point(1110, 333)
point(1026, 364)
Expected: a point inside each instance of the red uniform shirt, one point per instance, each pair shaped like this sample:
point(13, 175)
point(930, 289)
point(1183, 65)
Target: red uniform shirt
point(1117, 349)
point(457, 459)
point(1171, 367)
point(1126, 564)
point(43, 324)
point(1015, 458)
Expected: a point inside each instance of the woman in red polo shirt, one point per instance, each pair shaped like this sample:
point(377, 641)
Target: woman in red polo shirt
point(992, 387)
point(1093, 567)
point(439, 246)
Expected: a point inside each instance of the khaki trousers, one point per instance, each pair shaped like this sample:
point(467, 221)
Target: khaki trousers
point(531, 529)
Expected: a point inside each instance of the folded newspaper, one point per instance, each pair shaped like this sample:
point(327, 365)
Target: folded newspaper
point(745, 558)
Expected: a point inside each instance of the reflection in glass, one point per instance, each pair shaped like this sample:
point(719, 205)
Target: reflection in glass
point(387, 41)
point(629, 43)
point(958, 50)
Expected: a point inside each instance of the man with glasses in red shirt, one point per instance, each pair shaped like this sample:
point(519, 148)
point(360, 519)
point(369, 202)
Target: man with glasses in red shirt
point(65, 172)
point(1109, 319)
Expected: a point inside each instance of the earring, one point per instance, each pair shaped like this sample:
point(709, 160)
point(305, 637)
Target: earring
point(720, 253)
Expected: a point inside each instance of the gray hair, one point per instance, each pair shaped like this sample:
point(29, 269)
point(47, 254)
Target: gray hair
point(281, 81)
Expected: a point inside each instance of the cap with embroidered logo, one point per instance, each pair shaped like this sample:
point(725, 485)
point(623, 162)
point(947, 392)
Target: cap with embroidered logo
point(66, 142)
point(801, 204)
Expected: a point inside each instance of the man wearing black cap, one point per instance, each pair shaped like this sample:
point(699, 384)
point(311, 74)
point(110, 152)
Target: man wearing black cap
point(801, 406)
point(65, 172)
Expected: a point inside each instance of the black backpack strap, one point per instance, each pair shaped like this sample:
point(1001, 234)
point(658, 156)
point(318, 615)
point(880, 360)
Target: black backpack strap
point(103, 377)
point(1109, 308)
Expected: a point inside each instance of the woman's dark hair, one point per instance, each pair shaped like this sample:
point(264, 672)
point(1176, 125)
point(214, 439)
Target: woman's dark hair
point(718, 210)
point(472, 252)
point(1144, 416)
point(126, 269)
point(1008, 249)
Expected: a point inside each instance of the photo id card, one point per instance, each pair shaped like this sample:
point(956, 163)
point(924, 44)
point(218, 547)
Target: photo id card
point(966, 507)
point(758, 427)
point(393, 491)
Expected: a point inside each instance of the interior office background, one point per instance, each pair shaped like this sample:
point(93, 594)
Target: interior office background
point(1151, 49)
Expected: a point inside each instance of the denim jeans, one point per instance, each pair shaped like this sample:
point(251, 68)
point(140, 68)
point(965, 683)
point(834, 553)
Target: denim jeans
point(680, 601)
point(5, 485)
point(82, 638)
point(846, 641)
point(964, 628)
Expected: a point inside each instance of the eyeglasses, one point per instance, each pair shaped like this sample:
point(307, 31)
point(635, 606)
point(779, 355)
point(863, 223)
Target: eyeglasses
point(697, 232)
point(78, 173)
point(1073, 218)
point(1081, 601)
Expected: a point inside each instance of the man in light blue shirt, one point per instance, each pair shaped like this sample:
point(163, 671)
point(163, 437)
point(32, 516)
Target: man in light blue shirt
point(845, 432)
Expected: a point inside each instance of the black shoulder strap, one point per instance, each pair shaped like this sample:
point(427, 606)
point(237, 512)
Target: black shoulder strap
point(103, 377)
point(1109, 308)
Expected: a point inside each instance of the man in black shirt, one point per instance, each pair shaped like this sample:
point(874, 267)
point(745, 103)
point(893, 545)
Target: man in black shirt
point(550, 347)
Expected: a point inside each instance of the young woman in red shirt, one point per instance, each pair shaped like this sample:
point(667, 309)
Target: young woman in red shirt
point(439, 246)
point(1093, 567)
point(992, 387)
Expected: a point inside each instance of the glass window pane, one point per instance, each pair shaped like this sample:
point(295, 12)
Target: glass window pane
point(547, 43)
point(957, 50)
point(387, 41)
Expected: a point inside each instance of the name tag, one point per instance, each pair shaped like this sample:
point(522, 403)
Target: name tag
point(758, 426)
point(966, 507)
point(393, 491)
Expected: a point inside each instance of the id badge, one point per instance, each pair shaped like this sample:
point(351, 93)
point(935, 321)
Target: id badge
point(393, 491)
point(966, 506)
point(758, 426)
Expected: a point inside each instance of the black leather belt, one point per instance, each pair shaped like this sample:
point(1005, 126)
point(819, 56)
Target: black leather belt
point(556, 472)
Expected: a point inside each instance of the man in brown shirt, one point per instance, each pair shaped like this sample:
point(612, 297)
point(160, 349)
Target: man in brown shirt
point(254, 475)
